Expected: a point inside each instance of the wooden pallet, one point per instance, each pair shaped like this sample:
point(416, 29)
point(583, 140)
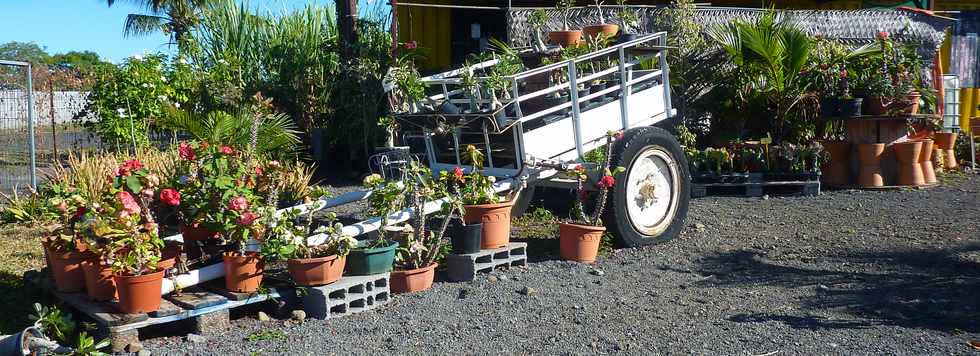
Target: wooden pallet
point(806, 188)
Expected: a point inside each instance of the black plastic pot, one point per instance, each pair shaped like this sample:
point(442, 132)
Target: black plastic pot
point(851, 107)
point(450, 108)
point(465, 238)
point(840, 108)
point(595, 88)
point(626, 37)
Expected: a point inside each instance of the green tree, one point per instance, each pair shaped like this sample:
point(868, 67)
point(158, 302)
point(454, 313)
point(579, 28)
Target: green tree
point(176, 18)
point(23, 51)
point(84, 61)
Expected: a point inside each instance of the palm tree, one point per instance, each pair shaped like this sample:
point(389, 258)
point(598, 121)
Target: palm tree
point(176, 18)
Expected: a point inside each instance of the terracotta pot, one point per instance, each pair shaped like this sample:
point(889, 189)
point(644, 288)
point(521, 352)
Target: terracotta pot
point(909, 170)
point(579, 242)
point(169, 256)
point(98, 280)
point(200, 241)
point(607, 28)
point(66, 267)
point(243, 274)
point(869, 155)
point(45, 245)
point(873, 106)
point(946, 141)
point(496, 222)
point(913, 103)
point(836, 171)
point(413, 280)
point(565, 38)
point(925, 161)
point(139, 294)
point(316, 271)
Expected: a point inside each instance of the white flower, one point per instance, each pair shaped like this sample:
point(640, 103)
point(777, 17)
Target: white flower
point(121, 112)
point(177, 105)
point(182, 61)
point(146, 85)
point(492, 179)
point(138, 57)
point(222, 61)
point(162, 97)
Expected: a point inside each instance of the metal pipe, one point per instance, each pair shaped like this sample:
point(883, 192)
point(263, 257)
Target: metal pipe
point(30, 125)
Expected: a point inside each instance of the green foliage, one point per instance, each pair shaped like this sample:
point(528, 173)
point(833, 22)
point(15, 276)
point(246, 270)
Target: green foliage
point(277, 137)
point(538, 18)
point(53, 323)
point(267, 335)
point(564, 7)
point(23, 51)
point(628, 16)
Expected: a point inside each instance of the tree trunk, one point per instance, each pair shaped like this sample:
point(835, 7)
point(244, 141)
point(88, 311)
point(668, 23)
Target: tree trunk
point(347, 26)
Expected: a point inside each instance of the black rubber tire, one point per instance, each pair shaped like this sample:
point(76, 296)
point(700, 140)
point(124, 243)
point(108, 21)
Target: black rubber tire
point(616, 218)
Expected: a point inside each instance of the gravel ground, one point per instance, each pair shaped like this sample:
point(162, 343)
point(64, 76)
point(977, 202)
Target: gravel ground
point(848, 272)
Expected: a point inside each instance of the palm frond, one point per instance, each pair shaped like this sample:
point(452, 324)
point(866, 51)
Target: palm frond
point(143, 25)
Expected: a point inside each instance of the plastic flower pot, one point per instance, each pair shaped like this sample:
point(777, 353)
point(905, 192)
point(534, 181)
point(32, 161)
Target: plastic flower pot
point(413, 280)
point(316, 271)
point(66, 268)
point(593, 31)
point(579, 242)
point(850, 107)
point(626, 37)
point(496, 222)
point(565, 38)
point(139, 294)
point(365, 261)
point(99, 285)
point(909, 170)
point(18, 344)
point(874, 106)
point(837, 170)
point(200, 241)
point(243, 273)
point(466, 238)
point(169, 256)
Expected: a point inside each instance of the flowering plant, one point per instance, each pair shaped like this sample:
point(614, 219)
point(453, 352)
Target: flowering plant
point(423, 245)
point(68, 205)
point(473, 188)
point(386, 197)
point(603, 181)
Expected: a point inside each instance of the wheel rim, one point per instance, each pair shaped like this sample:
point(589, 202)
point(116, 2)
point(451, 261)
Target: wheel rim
point(651, 191)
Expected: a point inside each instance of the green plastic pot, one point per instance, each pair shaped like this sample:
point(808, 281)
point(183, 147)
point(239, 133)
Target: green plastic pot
point(365, 261)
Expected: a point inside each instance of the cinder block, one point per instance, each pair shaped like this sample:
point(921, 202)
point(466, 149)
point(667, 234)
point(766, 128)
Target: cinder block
point(351, 294)
point(212, 323)
point(462, 268)
point(118, 340)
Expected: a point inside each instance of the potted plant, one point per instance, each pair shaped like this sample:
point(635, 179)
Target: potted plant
point(482, 204)
point(630, 20)
point(64, 250)
point(537, 20)
point(238, 222)
point(308, 264)
point(191, 195)
point(565, 37)
point(405, 84)
point(609, 29)
point(465, 238)
point(378, 255)
point(835, 72)
point(52, 333)
point(579, 238)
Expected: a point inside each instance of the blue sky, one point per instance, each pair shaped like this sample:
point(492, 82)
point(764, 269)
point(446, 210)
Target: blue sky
point(65, 25)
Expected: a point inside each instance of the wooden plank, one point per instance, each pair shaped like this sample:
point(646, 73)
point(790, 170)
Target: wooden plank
point(105, 313)
point(190, 313)
point(197, 298)
point(166, 309)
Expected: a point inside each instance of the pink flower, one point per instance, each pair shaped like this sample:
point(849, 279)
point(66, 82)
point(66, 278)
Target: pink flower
point(843, 74)
point(883, 35)
point(63, 207)
point(606, 182)
point(128, 203)
point(186, 152)
point(458, 173)
point(238, 204)
point(259, 171)
point(226, 150)
point(170, 197)
point(247, 218)
point(619, 135)
point(148, 193)
point(411, 45)
point(128, 167)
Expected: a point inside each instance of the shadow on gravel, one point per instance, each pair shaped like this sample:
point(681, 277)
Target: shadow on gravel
point(932, 289)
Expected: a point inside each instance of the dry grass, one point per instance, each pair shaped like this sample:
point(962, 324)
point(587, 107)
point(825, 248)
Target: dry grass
point(20, 251)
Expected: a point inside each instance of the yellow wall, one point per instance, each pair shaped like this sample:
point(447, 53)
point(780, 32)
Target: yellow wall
point(430, 28)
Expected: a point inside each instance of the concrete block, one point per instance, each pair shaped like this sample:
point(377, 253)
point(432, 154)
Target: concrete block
point(462, 268)
point(120, 339)
point(351, 294)
point(212, 323)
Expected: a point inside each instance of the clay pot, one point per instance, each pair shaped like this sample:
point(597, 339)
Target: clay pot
point(200, 241)
point(316, 271)
point(869, 156)
point(609, 29)
point(169, 256)
point(579, 242)
point(413, 280)
point(836, 171)
point(946, 141)
point(909, 170)
point(66, 267)
point(139, 294)
point(99, 285)
point(496, 222)
point(873, 106)
point(366, 261)
point(565, 38)
point(243, 274)
point(913, 103)
point(925, 161)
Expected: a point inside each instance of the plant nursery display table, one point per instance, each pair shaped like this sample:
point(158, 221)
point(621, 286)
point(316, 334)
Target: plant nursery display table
point(874, 141)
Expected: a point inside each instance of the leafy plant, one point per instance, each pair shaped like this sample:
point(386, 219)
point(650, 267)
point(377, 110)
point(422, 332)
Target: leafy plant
point(605, 182)
point(474, 188)
point(289, 236)
point(422, 247)
point(53, 323)
point(537, 20)
point(628, 17)
point(387, 197)
point(564, 8)
point(276, 136)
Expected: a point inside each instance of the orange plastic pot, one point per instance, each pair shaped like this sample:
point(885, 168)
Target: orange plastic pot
point(609, 29)
point(243, 274)
point(909, 170)
point(913, 103)
point(925, 161)
point(66, 267)
point(874, 106)
point(869, 154)
point(199, 241)
point(316, 271)
point(496, 222)
point(565, 38)
point(413, 280)
point(99, 285)
point(946, 141)
point(837, 171)
point(579, 242)
point(139, 294)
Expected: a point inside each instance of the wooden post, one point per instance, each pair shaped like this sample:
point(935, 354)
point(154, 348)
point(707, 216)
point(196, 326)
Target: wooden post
point(347, 23)
point(394, 28)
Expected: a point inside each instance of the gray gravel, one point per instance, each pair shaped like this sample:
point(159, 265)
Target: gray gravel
point(848, 272)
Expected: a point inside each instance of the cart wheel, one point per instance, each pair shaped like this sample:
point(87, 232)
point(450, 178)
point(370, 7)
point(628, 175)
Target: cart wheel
point(650, 200)
point(522, 201)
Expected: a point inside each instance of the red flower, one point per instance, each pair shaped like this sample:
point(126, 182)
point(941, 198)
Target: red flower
point(411, 45)
point(580, 169)
point(458, 173)
point(186, 152)
point(128, 203)
point(226, 150)
point(259, 171)
point(238, 204)
point(79, 212)
point(248, 218)
point(883, 35)
point(607, 182)
point(170, 197)
point(619, 135)
point(128, 167)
